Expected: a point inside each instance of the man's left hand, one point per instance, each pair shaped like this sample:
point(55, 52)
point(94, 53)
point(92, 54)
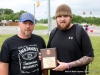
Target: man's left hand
point(61, 67)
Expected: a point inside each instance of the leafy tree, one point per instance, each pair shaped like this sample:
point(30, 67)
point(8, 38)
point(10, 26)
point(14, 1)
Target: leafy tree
point(22, 11)
point(7, 17)
point(6, 11)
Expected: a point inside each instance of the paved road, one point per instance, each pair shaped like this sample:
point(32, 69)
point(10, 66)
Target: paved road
point(14, 30)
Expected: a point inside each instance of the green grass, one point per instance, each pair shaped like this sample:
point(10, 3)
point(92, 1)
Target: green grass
point(40, 27)
point(94, 66)
point(3, 37)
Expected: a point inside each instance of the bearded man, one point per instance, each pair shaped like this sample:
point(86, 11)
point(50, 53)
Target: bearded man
point(71, 59)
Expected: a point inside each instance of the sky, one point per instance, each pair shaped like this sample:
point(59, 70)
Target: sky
point(41, 12)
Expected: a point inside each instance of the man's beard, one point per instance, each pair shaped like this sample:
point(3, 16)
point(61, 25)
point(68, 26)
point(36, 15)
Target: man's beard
point(27, 35)
point(64, 27)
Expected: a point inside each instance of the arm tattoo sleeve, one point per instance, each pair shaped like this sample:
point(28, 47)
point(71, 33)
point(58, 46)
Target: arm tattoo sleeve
point(82, 61)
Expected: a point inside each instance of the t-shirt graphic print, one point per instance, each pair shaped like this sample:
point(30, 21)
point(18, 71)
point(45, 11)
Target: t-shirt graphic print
point(28, 58)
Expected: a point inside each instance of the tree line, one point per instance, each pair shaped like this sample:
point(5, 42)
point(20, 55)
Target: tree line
point(8, 14)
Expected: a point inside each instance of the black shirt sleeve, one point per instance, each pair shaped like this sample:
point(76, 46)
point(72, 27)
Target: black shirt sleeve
point(5, 54)
point(87, 45)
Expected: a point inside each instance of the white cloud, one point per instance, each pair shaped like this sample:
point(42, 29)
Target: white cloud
point(77, 6)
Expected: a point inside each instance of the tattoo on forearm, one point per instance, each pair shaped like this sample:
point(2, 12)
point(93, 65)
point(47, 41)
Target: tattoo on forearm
point(82, 61)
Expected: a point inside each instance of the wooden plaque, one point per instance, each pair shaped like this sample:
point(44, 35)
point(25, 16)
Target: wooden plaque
point(49, 58)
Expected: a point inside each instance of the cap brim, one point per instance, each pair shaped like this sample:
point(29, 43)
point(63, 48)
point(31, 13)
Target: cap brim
point(27, 20)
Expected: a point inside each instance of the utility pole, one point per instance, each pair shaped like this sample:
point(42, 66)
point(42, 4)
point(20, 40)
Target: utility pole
point(34, 13)
point(4, 17)
point(48, 16)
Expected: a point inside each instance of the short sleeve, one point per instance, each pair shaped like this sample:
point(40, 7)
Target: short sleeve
point(5, 54)
point(87, 45)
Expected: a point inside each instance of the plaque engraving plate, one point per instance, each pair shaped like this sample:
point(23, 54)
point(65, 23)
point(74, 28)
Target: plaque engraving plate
point(49, 58)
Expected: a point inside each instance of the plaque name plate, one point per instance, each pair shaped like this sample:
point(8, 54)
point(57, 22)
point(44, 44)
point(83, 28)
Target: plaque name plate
point(49, 58)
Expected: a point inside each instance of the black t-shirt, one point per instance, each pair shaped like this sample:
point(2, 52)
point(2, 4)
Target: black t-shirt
point(22, 55)
point(68, 49)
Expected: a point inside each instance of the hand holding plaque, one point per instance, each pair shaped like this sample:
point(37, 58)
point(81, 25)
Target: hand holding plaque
point(49, 58)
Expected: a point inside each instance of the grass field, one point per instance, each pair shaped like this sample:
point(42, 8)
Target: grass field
point(40, 27)
point(94, 66)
